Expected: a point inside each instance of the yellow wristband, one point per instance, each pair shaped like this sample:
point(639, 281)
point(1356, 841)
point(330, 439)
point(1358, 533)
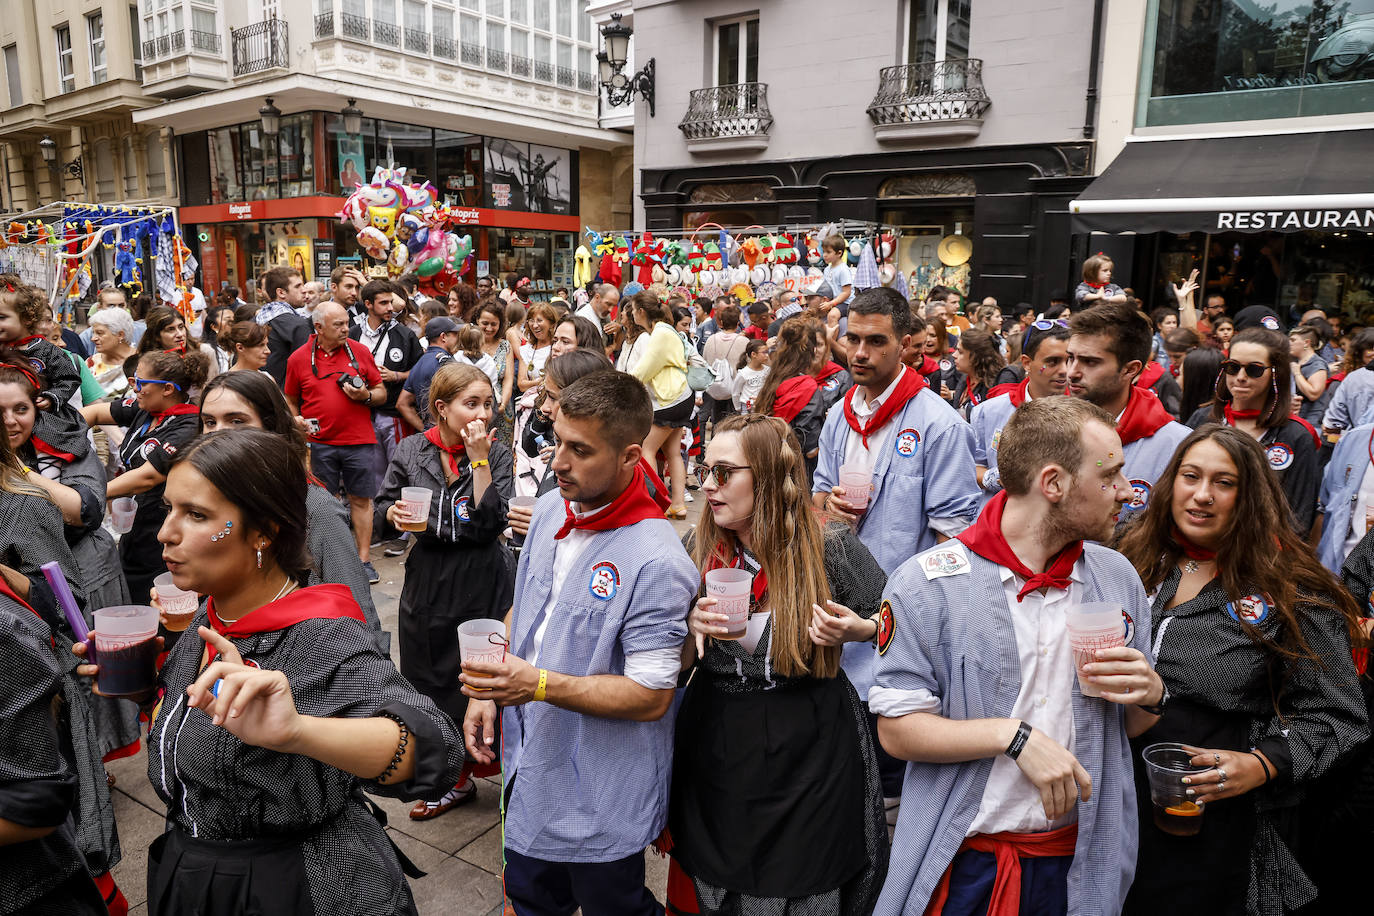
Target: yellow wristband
point(480, 463)
point(543, 683)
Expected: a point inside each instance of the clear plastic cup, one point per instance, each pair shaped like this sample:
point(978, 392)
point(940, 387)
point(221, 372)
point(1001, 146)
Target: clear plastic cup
point(1175, 813)
point(521, 502)
point(481, 641)
point(857, 480)
point(178, 605)
point(1092, 626)
point(125, 640)
point(731, 588)
point(122, 511)
point(415, 504)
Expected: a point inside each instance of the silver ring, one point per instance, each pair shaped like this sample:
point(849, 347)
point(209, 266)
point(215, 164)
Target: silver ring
point(1217, 757)
point(1221, 776)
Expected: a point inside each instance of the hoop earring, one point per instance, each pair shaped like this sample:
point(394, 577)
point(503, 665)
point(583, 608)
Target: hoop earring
point(228, 526)
point(259, 558)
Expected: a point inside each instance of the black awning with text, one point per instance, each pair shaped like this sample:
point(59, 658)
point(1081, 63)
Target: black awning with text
point(1321, 180)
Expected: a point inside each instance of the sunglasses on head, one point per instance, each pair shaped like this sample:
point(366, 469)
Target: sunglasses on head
point(721, 472)
point(1253, 370)
point(140, 382)
point(1044, 324)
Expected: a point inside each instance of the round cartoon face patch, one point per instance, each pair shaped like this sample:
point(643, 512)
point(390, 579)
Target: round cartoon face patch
point(946, 365)
point(1128, 625)
point(1280, 456)
point(1270, 322)
point(605, 581)
point(1140, 495)
point(887, 627)
point(1252, 609)
point(460, 509)
point(908, 441)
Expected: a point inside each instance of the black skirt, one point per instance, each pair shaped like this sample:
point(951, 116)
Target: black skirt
point(224, 878)
point(768, 788)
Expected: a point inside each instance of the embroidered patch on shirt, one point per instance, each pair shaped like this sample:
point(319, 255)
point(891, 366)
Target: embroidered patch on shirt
point(945, 365)
point(605, 581)
point(394, 355)
point(1252, 609)
point(908, 441)
point(887, 627)
point(1129, 625)
point(940, 563)
point(1280, 456)
point(1140, 495)
point(1270, 322)
point(996, 438)
point(460, 508)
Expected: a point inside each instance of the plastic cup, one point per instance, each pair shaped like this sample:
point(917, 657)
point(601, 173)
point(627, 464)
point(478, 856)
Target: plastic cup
point(415, 503)
point(126, 650)
point(1092, 626)
point(122, 511)
point(481, 641)
point(857, 480)
point(731, 588)
point(178, 605)
point(1175, 813)
point(521, 502)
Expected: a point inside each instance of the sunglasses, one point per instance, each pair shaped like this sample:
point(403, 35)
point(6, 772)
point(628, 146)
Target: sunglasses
point(721, 472)
point(140, 382)
point(1253, 370)
point(1044, 324)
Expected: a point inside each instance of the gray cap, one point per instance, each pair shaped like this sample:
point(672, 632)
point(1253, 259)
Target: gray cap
point(441, 325)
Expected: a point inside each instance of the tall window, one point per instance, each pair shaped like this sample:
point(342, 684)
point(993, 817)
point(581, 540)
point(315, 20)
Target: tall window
point(203, 21)
point(937, 30)
point(95, 29)
point(65, 74)
point(137, 42)
point(12, 76)
point(737, 52)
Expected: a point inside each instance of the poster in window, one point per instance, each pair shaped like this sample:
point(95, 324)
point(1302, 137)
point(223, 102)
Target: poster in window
point(505, 174)
point(350, 151)
point(549, 185)
point(299, 256)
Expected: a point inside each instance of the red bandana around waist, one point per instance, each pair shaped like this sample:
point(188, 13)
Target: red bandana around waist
point(1008, 849)
point(793, 395)
point(908, 386)
point(318, 602)
point(760, 586)
point(432, 434)
point(984, 537)
point(631, 506)
point(1143, 417)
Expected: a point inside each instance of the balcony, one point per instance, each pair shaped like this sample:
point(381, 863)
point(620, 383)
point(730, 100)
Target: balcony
point(727, 118)
point(182, 63)
point(934, 99)
point(259, 47)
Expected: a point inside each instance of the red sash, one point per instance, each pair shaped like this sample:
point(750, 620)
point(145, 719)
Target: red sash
point(793, 395)
point(984, 537)
point(1143, 417)
point(633, 505)
point(318, 602)
point(1008, 849)
point(908, 386)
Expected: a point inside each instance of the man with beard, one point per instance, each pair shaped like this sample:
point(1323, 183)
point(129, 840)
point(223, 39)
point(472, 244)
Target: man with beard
point(1006, 752)
point(1109, 344)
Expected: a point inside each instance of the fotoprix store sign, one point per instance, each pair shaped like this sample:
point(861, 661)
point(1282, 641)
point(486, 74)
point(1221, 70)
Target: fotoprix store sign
point(1295, 220)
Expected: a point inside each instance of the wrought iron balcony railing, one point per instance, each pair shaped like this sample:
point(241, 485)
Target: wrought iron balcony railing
point(417, 40)
point(260, 46)
point(205, 41)
point(386, 33)
point(324, 25)
point(353, 26)
point(930, 93)
point(721, 113)
point(445, 47)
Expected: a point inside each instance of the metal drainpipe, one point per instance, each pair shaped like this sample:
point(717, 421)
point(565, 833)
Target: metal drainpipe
point(1090, 116)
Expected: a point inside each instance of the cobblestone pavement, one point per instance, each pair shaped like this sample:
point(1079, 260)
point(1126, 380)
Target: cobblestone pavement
point(460, 850)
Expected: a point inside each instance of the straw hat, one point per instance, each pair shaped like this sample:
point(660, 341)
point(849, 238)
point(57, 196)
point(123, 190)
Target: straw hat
point(954, 250)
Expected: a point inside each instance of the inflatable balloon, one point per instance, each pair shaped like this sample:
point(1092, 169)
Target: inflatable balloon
point(429, 267)
point(373, 242)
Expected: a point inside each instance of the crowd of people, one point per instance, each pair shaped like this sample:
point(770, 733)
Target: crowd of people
point(918, 501)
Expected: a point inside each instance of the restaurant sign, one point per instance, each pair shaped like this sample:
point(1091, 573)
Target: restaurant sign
point(1295, 220)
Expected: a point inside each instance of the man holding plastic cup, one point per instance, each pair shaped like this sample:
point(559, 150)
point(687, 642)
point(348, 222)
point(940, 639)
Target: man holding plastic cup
point(596, 633)
point(1011, 765)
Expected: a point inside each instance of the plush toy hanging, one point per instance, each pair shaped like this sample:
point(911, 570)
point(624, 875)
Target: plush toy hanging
point(696, 259)
point(714, 259)
point(749, 252)
point(582, 267)
point(642, 258)
point(784, 251)
point(608, 269)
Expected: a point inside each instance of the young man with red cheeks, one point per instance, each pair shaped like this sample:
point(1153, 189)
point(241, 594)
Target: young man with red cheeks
point(1109, 345)
point(1020, 787)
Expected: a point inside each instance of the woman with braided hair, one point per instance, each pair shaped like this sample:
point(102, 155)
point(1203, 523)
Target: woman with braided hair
point(760, 821)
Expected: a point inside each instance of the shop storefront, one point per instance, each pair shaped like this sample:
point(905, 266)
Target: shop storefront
point(252, 202)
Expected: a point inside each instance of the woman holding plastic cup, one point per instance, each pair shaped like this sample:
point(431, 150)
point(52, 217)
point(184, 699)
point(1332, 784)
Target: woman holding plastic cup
point(454, 481)
point(279, 712)
point(1252, 638)
point(742, 744)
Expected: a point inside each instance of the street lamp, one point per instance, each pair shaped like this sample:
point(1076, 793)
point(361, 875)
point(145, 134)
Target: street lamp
point(48, 148)
point(271, 118)
point(352, 118)
point(611, 64)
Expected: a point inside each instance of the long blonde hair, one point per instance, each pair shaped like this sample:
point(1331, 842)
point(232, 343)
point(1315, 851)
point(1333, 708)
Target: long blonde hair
point(787, 540)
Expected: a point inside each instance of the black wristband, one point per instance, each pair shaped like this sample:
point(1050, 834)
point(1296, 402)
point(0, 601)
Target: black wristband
point(1018, 743)
point(1158, 710)
point(1268, 775)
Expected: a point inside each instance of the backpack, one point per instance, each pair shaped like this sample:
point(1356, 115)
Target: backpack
point(700, 376)
point(723, 386)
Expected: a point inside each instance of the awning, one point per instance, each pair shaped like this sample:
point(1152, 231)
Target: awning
point(1279, 183)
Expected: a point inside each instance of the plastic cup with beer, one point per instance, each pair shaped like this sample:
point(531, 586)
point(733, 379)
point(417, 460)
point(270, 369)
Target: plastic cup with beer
point(122, 512)
point(481, 641)
point(1092, 626)
point(731, 588)
point(415, 504)
point(178, 605)
point(857, 480)
point(1166, 764)
point(126, 650)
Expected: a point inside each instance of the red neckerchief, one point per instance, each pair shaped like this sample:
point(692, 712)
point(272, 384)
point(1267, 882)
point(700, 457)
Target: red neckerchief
point(969, 391)
point(928, 366)
point(1019, 394)
point(633, 505)
point(10, 594)
point(1232, 415)
point(1191, 550)
point(1096, 285)
point(760, 586)
point(432, 434)
point(318, 602)
point(176, 410)
point(1143, 417)
point(40, 446)
point(908, 386)
point(984, 537)
point(1152, 373)
point(792, 395)
point(829, 369)
point(24, 342)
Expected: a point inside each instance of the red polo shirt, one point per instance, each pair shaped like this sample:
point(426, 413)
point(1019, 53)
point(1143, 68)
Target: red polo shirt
point(343, 421)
